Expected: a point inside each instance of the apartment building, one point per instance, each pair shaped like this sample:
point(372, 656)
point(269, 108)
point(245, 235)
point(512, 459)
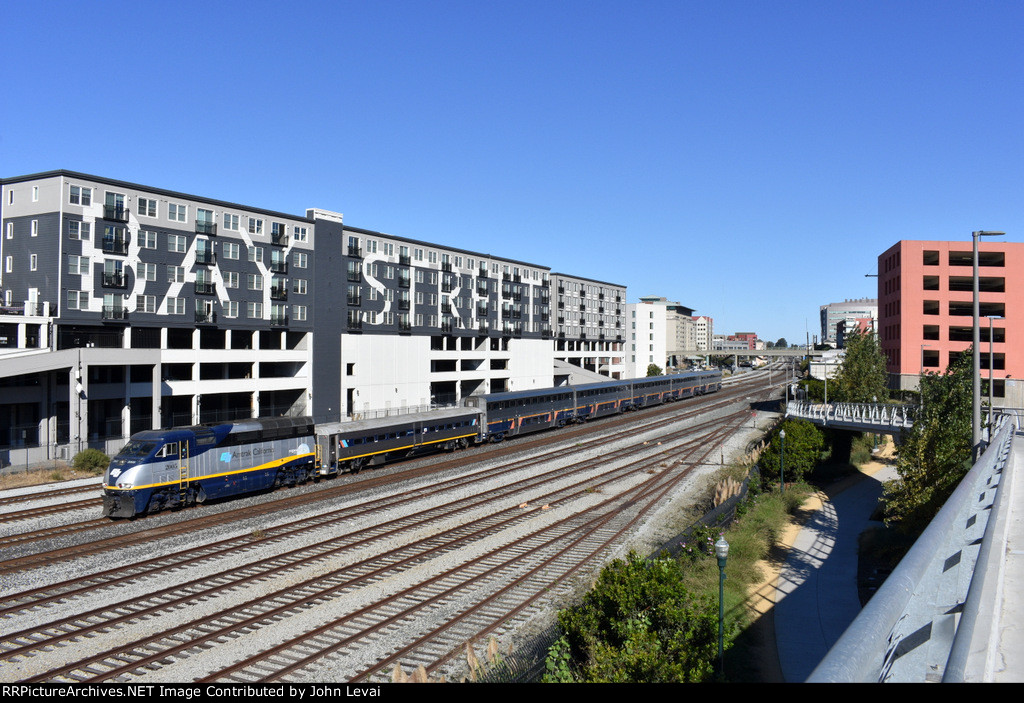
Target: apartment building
point(590, 321)
point(128, 307)
point(925, 304)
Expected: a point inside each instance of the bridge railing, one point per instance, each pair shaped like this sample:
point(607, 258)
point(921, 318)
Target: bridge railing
point(879, 414)
point(912, 629)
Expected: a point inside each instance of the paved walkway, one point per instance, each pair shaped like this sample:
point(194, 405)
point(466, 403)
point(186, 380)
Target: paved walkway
point(816, 595)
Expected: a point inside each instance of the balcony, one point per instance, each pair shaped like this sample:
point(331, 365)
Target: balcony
point(354, 276)
point(404, 260)
point(355, 323)
point(404, 327)
point(446, 266)
point(481, 290)
point(446, 287)
point(355, 300)
point(115, 245)
point(279, 292)
point(403, 305)
point(481, 311)
point(279, 266)
point(355, 251)
point(114, 312)
point(446, 325)
point(114, 280)
point(204, 227)
point(279, 238)
point(206, 318)
point(115, 213)
point(482, 328)
point(205, 288)
point(280, 320)
point(482, 272)
point(206, 257)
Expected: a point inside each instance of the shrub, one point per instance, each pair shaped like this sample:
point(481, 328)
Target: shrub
point(92, 460)
point(639, 624)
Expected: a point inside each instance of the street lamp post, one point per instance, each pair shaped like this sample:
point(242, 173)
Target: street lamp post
point(976, 381)
point(722, 552)
point(782, 461)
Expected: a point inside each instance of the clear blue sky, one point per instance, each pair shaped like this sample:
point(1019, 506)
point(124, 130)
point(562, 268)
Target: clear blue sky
point(749, 159)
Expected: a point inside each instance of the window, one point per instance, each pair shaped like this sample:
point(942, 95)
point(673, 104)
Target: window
point(78, 300)
point(177, 212)
point(418, 255)
point(33, 260)
point(177, 243)
point(147, 207)
point(78, 265)
point(299, 312)
point(254, 281)
point(230, 308)
point(300, 260)
point(35, 194)
point(176, 274)
point(371, 246)
point(231, 279)
point(147, 239)
point(256, 254)
point(10, 231)
point(147, 272)
point(299, 286)
point(301, 235)
point(145, 303)
point(389, 249)
point(175, 306)
point(35, 228)
point(255, 225)
point(254, 311)
point(230, 222)
point(81, 195)
point(432, 258)
point(231, 250)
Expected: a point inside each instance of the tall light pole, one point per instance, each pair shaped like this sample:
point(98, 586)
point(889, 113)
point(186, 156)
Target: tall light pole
point(976, 381)
point(782, 461)
point(722, 552)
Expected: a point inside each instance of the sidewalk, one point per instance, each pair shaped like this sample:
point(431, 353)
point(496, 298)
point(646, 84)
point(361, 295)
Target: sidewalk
point(816, 594)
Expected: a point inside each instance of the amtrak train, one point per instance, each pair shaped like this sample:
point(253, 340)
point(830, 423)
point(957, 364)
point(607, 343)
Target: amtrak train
point(182, 466)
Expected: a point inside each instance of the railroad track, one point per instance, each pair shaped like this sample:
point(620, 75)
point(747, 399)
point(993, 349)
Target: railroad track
point(265, 616)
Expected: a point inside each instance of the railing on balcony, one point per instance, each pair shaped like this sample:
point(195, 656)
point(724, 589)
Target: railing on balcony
point(355, 323)
point(206, 227)
point(404, 326)
point(279, 292)
point(404, 260)
point(355, 251)
point(205, 257)
point(115, 245)
point(279, 238)
point(115, 312)
point(205, 288)
point(117, 213)
point(404, 281)
point(446, 266)
point(279, 266)
point(206, 318)
point(114, 280)
point(403, 304)
point(355, 300)
point(280, 320)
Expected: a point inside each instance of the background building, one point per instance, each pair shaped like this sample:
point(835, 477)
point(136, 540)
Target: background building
point(840, 318)
point(925, 301)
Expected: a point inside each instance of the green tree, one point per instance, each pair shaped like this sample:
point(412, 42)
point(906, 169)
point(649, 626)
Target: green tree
point(804, 446)
point(862, 377)
point(639, 624)
point(653, 370)
point(936, 452)
point(782, 343)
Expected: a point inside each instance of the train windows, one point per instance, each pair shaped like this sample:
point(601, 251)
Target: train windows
point(137, 448)
point(168, 450)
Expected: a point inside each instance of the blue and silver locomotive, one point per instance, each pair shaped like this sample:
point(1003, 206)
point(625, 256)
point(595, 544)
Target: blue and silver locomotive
point(185, 465)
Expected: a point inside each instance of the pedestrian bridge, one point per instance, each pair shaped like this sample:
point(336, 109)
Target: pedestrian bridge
point(881, 418)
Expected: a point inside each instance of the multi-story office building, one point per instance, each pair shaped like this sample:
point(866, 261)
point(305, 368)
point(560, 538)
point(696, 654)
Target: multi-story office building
point(128, 307)
point(703, 332)
point(661, 332)
point(925, 301)
point(846, 316)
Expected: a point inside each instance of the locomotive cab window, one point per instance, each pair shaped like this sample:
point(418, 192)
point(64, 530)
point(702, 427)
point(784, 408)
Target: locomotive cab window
point(168, 450)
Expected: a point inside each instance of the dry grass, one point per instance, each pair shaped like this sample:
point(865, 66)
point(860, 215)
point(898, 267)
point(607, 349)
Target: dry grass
point(42, 474)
